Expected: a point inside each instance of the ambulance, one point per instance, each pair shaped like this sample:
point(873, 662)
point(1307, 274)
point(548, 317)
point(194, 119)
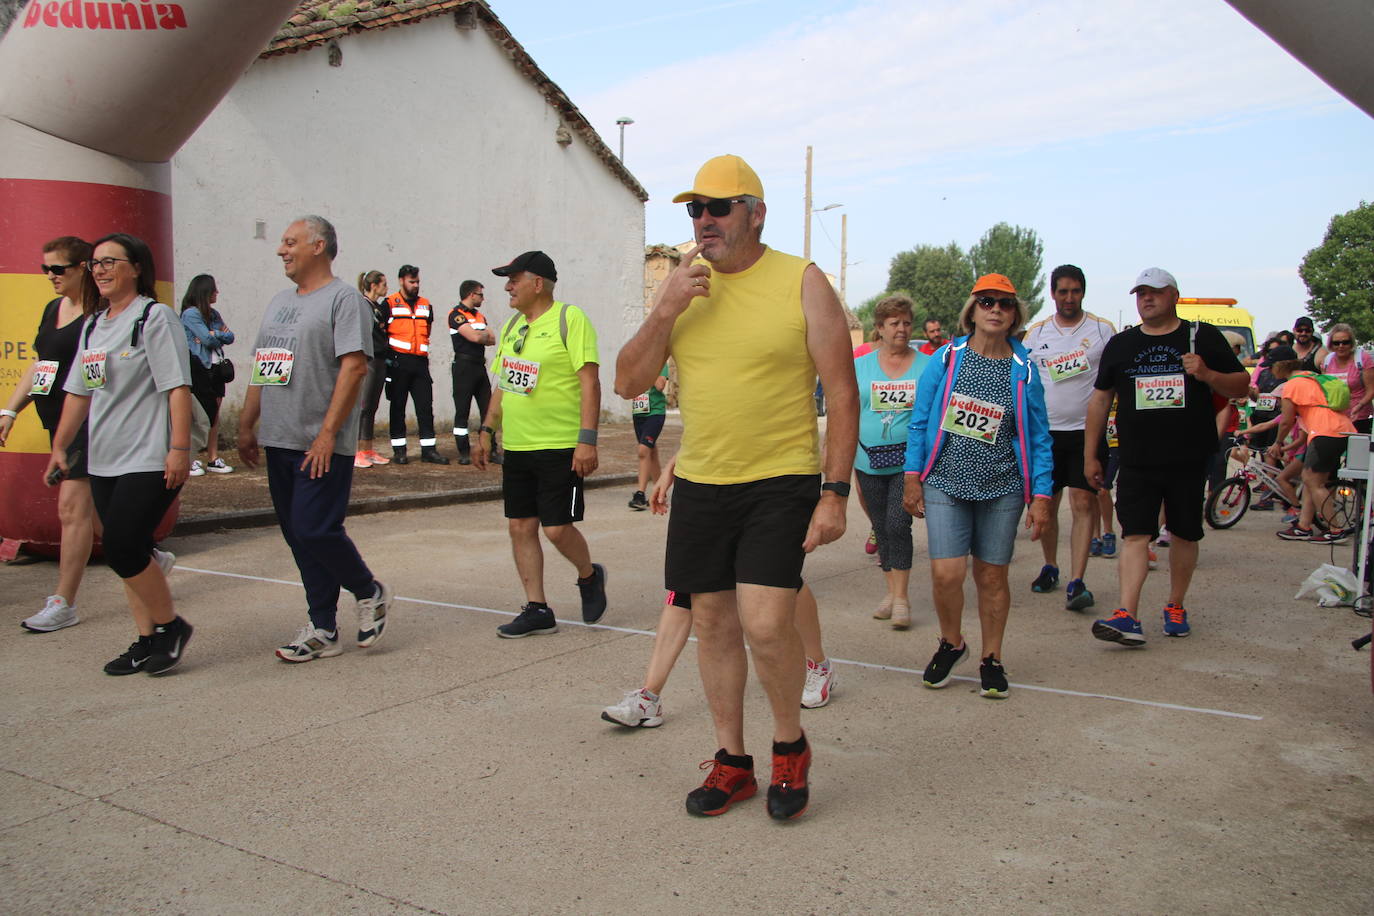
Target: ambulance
point(1224, 314)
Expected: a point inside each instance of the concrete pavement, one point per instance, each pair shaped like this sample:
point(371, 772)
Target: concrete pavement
point(449, 771)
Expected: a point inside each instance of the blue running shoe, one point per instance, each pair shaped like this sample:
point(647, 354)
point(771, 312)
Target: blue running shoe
point(1109, 546)
point(1176, 620)
point(1079, 598)
point(1120, 627)
point(1095, 547)
point(1047, 580)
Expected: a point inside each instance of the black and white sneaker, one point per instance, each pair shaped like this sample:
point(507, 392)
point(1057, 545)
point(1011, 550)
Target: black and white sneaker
point(593, 590)
point(132, 661)
point(167, 646)
point(942, 663)
point(372, 615)
point(639, 502)
point(530, 622)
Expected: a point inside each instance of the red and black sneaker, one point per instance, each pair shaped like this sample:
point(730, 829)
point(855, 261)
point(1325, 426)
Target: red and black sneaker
point(788, 793)
point(726, 784)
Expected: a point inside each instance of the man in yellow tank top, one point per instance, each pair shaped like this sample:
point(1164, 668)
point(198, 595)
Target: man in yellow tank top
point(749, 330)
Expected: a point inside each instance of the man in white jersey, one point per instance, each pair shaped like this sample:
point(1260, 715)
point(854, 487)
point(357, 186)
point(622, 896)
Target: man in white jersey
point(1067, 347)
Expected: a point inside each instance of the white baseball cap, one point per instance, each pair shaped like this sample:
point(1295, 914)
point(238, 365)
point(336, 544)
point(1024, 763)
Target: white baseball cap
point(1155, 278)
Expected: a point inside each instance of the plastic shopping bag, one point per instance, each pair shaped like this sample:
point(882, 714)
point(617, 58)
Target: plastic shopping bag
point(1333, 586)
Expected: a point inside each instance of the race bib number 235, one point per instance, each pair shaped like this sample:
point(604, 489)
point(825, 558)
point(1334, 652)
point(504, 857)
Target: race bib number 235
point(517, 376)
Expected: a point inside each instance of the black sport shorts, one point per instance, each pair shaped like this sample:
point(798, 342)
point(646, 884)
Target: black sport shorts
point(1067, 450)
point(542, 483)
point(722, 535)
point(1178, 488)
point(1324, 453)
point(648, 427)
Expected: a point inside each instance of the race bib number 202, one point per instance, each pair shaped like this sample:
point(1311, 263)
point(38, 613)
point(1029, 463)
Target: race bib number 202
point(974, 418)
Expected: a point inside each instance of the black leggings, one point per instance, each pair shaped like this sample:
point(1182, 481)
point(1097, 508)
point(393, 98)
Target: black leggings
point(130, 507)
point(891, 523)
point(372, 396)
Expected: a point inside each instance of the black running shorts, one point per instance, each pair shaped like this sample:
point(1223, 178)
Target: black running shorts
point(722, 535)
point(1177, 488)
point(542, 483)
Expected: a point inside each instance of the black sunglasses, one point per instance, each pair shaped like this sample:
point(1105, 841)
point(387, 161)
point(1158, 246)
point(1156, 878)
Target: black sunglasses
point(57, 270)
point(987, 303)
point(1342, 343)
point(716, 208)
point(519, 343)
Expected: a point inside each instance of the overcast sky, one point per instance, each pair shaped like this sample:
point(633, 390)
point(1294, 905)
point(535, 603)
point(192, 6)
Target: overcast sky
point(1128, 134)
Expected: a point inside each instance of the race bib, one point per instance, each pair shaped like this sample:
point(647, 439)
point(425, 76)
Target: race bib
point(93, 369)
point(44, 374)
point(517, 376)
point(272, 366)
point(1111, 429)
point(971, 417)
point(1158, 392)
point(889, 395)
point(1267, 402)
point(1068, 365)
point(640, 405)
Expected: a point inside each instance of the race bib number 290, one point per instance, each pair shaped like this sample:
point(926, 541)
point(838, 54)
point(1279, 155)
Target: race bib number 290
point(1159, 392)
point(272, 366)
point(517, 376)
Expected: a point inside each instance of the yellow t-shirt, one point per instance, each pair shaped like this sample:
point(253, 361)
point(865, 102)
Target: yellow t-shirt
point(745, 377)
point(541, 401)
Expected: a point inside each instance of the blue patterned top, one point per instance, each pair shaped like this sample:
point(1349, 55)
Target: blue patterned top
point(967, 468)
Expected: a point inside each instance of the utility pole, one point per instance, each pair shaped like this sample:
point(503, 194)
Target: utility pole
point(623, 122)
point(806, 244)
point(844, 255)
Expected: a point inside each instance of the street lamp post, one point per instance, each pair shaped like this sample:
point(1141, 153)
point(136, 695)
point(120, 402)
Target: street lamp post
point(623, 122)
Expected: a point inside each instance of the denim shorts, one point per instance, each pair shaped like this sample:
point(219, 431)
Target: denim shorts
point(985, 528)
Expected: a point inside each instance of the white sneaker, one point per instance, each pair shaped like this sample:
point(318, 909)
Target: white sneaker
point(372, 615)
point(219, 467)
point(56, 614)
point(166, 559)
point(635, 710)
point(310, 643)
point(820, 683)
point(197, 469)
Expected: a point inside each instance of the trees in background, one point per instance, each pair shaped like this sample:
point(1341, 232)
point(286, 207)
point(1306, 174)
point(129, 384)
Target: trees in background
point(1339, 272)
point(939, 278)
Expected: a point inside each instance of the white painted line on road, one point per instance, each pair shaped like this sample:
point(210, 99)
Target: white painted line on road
point(842, 661)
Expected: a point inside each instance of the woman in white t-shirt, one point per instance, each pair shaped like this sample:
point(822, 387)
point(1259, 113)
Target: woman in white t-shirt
point(131, 385)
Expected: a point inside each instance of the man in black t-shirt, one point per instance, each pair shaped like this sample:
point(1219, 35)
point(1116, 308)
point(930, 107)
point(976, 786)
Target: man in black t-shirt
point(1162, 374)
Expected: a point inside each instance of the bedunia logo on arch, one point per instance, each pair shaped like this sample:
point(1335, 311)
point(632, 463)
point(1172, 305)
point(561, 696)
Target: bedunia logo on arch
point(114, 16)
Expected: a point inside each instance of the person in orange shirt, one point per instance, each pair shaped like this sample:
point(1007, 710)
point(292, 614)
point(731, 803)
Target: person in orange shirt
point(1305, 402)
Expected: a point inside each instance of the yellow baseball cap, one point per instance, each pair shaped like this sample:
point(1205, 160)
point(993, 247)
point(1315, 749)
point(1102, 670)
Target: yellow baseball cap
point(724, 177)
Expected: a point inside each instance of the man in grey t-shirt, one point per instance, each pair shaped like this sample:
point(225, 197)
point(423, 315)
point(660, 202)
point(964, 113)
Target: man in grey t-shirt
point(309, 360)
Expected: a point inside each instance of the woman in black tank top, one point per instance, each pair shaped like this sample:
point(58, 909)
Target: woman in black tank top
point(57, 341)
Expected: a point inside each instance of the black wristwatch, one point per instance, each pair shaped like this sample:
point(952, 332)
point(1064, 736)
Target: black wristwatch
point(838, 487)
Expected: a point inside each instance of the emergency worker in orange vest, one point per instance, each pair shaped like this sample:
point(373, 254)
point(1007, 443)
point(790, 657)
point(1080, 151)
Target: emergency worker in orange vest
point(468, 330)
point(409, 318)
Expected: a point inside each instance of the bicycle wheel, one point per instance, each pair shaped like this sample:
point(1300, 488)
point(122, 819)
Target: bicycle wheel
point(1228, 502)
point(1342, 506)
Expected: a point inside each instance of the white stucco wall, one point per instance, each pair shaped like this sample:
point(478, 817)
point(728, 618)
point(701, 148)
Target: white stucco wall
point(426, 147)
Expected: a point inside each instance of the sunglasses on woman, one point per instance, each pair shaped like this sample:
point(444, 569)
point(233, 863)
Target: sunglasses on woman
point(716, 208)
point(988, 303)
point(1342, 343)
point(57, 270)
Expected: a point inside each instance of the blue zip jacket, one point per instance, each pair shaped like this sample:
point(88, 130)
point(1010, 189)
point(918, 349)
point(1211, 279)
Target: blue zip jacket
point(1033, 446)
point(201, 338)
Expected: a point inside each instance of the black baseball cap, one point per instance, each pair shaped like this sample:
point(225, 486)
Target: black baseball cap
point(536, 262)
point(1281, 354)
point(1303, 322)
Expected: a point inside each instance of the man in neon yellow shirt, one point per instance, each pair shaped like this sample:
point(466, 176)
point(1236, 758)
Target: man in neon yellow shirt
point(749, 330)
point(547, 404)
